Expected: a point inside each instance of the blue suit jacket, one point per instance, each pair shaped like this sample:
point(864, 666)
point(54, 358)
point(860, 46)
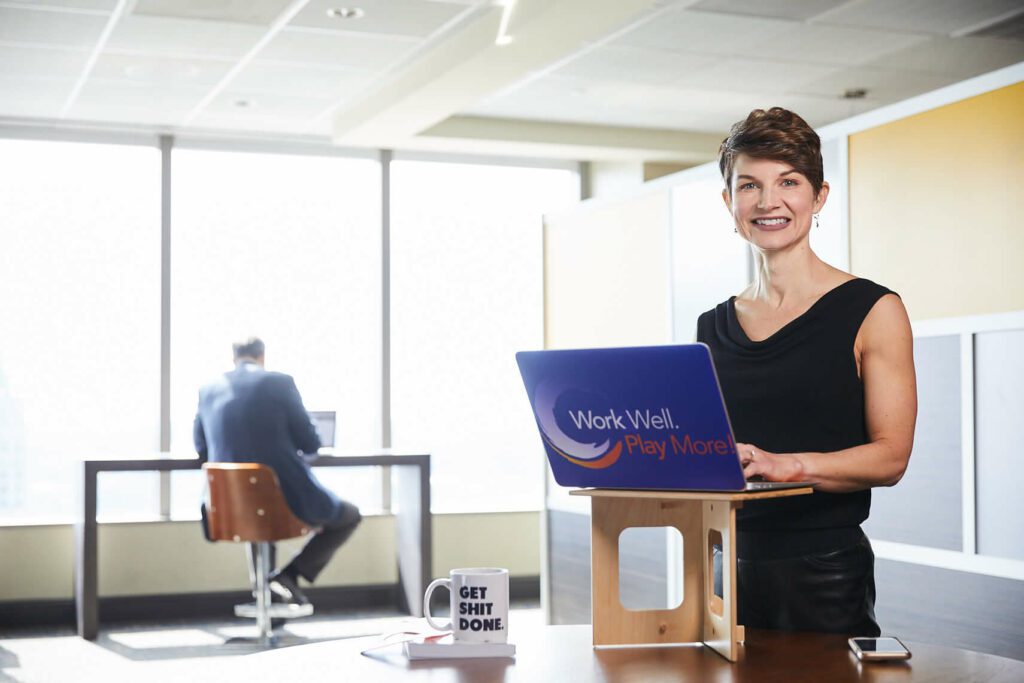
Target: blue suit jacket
point(252, 415)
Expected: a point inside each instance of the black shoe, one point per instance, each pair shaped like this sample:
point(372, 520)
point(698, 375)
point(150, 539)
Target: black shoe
point(286, 587)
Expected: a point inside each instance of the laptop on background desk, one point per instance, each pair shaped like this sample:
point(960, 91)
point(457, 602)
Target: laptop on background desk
point(324, 422)
point(635, 418)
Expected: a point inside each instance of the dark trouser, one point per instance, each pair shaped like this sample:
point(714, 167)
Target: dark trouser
point(321, 546)
point(827, 592)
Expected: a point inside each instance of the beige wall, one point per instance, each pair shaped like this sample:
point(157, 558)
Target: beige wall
point(155, 558)
point(502, 539)
point(935, 206)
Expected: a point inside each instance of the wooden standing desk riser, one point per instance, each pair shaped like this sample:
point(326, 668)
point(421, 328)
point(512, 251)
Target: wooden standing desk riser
point(703, 519)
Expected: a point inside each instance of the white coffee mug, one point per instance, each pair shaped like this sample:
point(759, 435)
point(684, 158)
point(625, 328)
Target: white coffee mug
point(479, 600)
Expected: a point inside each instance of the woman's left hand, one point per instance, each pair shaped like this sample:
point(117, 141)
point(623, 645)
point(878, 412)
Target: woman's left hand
point(758, 462)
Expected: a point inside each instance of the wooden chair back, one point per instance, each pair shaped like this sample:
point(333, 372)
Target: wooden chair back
point(246, 504)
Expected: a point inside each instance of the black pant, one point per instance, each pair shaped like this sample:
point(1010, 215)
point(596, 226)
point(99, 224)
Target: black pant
point(828, 592)
point(321, 546)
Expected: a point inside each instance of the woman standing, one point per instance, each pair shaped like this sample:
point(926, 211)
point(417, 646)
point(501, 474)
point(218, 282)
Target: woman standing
point(816, 366)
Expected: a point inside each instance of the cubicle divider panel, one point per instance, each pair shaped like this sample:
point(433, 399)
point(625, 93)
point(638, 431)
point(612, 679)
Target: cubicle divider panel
point(613, 623)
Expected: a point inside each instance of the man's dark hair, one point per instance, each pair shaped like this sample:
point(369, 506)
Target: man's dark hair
point(252, 347)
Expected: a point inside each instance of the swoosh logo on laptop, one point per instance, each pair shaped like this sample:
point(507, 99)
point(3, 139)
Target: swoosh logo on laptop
point(589, 455)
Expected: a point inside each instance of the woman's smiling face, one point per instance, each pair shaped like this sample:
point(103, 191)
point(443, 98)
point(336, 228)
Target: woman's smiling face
point(772, 203)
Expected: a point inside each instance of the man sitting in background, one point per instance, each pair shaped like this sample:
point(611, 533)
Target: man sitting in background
point(252, 415)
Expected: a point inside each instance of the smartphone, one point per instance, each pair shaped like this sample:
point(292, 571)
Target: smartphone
point(879, 648)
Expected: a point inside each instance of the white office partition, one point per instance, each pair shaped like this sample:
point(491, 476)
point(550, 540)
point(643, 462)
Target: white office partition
point(710, 262)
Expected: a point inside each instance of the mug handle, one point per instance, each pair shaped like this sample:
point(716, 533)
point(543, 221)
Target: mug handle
point(447, 583)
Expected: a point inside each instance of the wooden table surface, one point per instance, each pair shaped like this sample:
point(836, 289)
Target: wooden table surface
point(565, 654)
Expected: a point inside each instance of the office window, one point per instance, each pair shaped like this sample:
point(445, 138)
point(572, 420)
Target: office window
point(466, 294)
point(80, 339)
point(285, 247)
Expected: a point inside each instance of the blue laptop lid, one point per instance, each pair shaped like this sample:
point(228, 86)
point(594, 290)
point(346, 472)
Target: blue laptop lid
point(636, 418)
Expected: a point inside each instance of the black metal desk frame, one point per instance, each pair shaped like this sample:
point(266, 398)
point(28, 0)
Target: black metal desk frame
point(410, 479)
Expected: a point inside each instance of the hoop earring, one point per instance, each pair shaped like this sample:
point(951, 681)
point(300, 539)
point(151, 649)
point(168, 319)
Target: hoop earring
point(816, 224)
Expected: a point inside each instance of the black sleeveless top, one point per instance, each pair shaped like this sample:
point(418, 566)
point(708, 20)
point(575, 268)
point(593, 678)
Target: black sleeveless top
point(796, 391)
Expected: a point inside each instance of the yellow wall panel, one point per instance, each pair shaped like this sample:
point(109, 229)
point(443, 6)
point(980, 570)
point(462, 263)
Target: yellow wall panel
point(935, 206)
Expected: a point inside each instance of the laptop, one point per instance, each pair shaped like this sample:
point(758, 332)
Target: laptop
point(635, 418)
point(323, 421)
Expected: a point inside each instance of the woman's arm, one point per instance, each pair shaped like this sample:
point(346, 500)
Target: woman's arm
point(890, 407)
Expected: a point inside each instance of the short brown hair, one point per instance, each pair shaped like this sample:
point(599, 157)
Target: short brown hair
point(777, 134)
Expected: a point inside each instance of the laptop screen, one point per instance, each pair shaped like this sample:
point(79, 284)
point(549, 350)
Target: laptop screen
point(646, 417)
point(324, 421)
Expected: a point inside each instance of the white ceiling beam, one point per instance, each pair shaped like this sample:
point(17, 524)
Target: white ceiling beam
point(567, 140)
point(468, 66)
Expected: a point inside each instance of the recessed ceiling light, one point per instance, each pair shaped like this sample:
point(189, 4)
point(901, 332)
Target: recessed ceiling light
point(855, 93)
point(346, 13)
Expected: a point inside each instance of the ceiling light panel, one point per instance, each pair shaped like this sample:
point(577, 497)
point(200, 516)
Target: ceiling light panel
point(417, 18)
point(798, 10)
point(183, 37)
point(258, 12)
point(60, 29)
point(938, 17)
point(350, 50)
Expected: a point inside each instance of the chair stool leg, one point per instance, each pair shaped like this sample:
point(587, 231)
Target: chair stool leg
point(266, 635)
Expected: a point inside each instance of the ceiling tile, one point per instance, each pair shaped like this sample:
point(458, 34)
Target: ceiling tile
point(42, 62)
point(706, 32)
point(799, 10)
point(259, 12)
point(39, 97)
point(821, 111)
point(262, 124)
point(42, 27)
point(263, 105)
point(286, 78)
point(183, 37)
point(753, 75)
point(616, 104)
point(939, 17)
point(337, 49)
point(117, 94)
point(155, 70)
point(841, 46)
point(632, 63)
point(92, 110)
point(887, 85)
point(418, 18)
point(958, 58)
point(78, 5)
